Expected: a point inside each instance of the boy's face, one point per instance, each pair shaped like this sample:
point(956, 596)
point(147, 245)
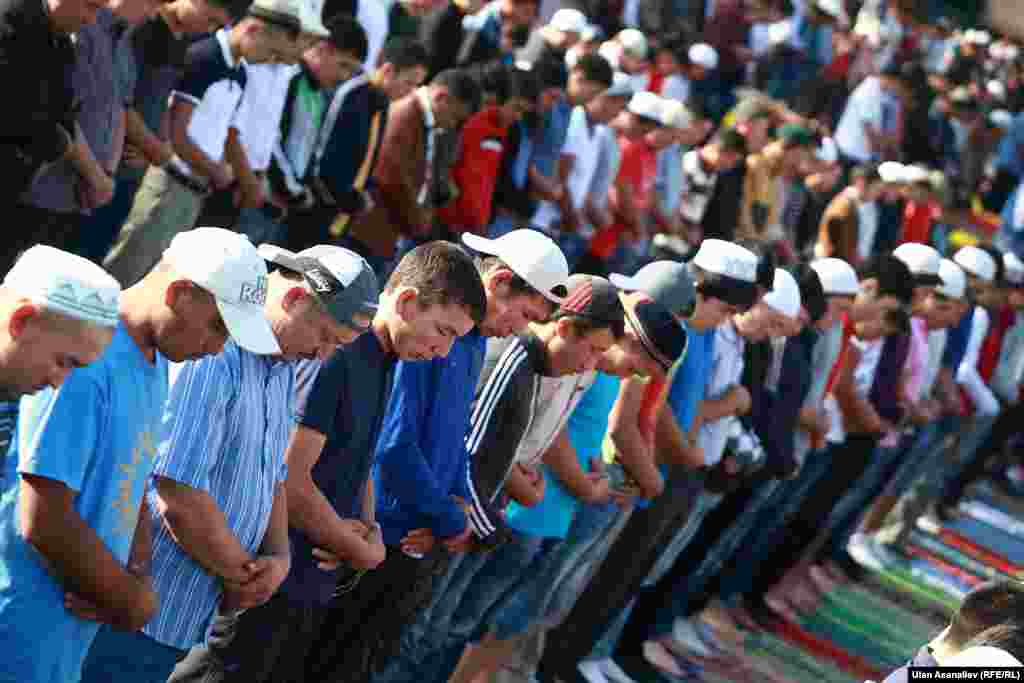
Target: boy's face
point(666, 63)
point(570, 353)
point(509, 313)
point(943, 312)
point(711, 312)
point(335, 66)
point(265, 44)
point(924, 299)
point(396, 84)
point(513, 110)
point(199, 16)
point(985, 294)
point(134, 11)
point(837, 306)
point(1015, 297)
point(868, 304)
point(628, 357)
point(872, 328)
point(425, 332)
point(604, 108)
point(580, 89)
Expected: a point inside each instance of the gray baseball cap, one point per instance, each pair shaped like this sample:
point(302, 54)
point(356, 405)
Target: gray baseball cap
point(667, 283)
point(340, 279)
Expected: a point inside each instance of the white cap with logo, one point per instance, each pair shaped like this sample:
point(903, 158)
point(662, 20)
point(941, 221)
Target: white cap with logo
point(633, 42)
point(66, 284)
point(976, 262)
point(703, 55)
point(227, 265)
point(532, 256)
point(784, 296)
point(954, 281)
point(838, 278)
point(646, 105)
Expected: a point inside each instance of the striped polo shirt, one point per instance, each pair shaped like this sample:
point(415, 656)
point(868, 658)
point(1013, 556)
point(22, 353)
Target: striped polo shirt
point(225, 430)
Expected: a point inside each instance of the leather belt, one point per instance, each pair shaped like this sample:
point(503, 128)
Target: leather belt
point(187, 181)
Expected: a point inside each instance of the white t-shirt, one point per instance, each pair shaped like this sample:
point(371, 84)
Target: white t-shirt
point(698, 187)
point(863, 377)
point(553, 404)
point(867, 105)
point(967, 374)
point(583, 143)
point(373, 16)
point(266, 88)
point(725, 373)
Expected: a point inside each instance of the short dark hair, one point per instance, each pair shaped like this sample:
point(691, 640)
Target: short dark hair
point(403, 53)
point(550, 73)
point(348, 35)
point(1008, 637)
point(505, 82)
point(443, 274)
point(595, 68)
point(893, 276)
point(461, 86)
point(987, 605)
point(731, 140)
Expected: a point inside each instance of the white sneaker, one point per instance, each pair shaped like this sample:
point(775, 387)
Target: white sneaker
point(865, 554)
point(685, 634)
point(658, 656)
point(614, 673)
point(592, 671)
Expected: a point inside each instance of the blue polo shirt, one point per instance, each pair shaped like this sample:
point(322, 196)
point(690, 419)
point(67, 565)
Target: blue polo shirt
point(553, 515)
point(1007, 156)
point(689, 381)
point(97, 434)
point(347, 405)
point(421, 453)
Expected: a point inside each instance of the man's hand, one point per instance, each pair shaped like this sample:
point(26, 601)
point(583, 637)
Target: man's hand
point(463, 543)
point(418, 542)
point(250, 194)
point(132, 157)
point(222, 176)
point(93, 195)
point(146, 604)
point(600, 485)
point(267, 572)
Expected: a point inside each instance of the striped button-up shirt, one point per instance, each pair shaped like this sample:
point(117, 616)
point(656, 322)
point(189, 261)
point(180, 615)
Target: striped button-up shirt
point(225, 429)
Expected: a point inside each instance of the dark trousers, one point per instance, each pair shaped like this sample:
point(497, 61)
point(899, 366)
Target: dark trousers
point(1003, 186)
point(1009, 423)
point(219, 210)
point(30, 225)
point(620, 576)
point(266, 644)
point(362, 629)
point(849, 461)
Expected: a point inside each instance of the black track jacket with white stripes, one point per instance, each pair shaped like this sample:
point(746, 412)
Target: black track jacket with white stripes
point(502, 412)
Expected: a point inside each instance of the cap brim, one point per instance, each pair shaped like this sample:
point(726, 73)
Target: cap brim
point(624, 282)
point(927, 280)
point(249, 328)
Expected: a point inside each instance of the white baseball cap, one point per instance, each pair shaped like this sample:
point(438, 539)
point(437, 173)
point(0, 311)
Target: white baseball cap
point(728, 259)
point(833, 8)
point(954, 281)
point(227, 265)
point(983, 655)
point(915, 174)
point(67, 284)
point(976, 262)
point(633, 42)
point(1013, 268)
point(703, 55)
point(892, 172)
point(569, 21)
point(290, 14)
point(923, 262)
point(532, 256)
point(977, 37)
point(646, 105)
point(674, 114)
point(838, 278)
point(780, 32)
point(784, 296)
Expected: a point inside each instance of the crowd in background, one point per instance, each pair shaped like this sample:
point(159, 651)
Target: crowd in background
point(548, 340)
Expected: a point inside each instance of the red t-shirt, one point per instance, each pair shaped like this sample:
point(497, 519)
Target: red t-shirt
point(917, 222)
point(638, 170)
point(988, 356)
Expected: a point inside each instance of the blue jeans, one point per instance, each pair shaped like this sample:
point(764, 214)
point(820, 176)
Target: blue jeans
point(97, 232)
point(123, 656)
point(259, 227)
point(783, 503)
